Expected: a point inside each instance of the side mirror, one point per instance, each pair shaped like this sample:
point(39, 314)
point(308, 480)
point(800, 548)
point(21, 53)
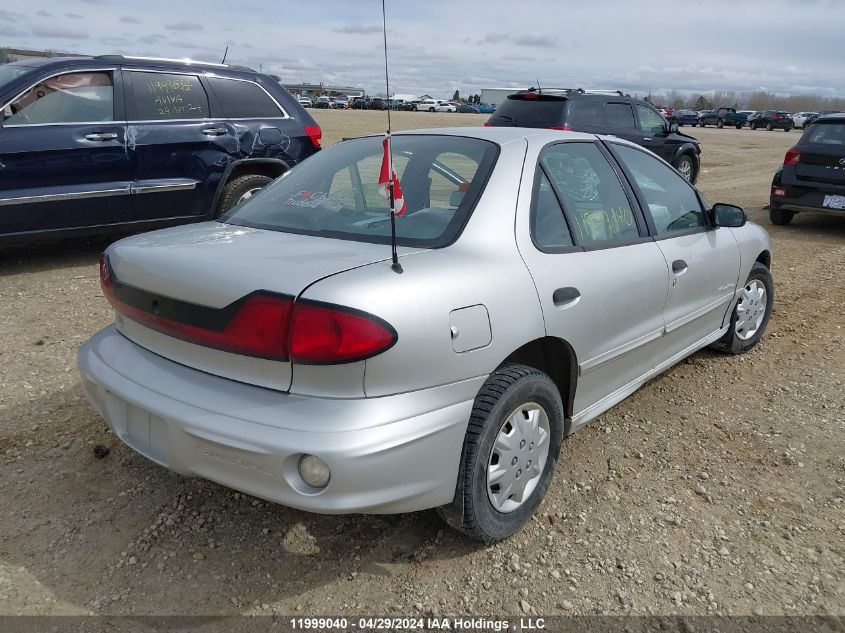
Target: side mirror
point(673, 127)
point(728, 215)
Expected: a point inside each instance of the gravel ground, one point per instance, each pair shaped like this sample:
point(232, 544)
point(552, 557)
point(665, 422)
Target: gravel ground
point(716, 489)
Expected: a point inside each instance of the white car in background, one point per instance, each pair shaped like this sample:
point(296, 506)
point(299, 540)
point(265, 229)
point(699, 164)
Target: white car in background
point(305, 102)
point(799, 118)
point(435, 105)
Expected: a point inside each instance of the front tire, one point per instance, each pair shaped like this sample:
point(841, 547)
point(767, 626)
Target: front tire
point(240, 190)
point(686, 167)
point(720, 124)
point(781, 217)
point(769, 127)
point(751, 314)
point(510, 450)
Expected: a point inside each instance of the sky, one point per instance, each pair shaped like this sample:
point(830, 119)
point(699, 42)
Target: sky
point(438, 46)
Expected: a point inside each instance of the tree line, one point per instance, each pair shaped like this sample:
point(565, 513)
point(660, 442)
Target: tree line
point(755, 100)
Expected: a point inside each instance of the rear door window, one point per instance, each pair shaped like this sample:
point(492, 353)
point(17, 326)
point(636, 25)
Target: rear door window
point(537, 112)
point(586, 112)
point(245, 99)
point(548, 225)
point(620, 116)
point(71, 98)
point(166, 97)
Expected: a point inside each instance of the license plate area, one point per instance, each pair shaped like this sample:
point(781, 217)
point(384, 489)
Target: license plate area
point(834, 202)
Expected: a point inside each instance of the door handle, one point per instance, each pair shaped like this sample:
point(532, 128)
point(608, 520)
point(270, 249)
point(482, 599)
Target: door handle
point(562, 296)
point(679, 266)
point(102, 136)
point(215, 131)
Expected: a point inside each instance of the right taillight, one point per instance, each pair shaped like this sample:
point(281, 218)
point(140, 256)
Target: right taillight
point(564, 128)
point(793, 156)
point(488, 124)
point(315, 133)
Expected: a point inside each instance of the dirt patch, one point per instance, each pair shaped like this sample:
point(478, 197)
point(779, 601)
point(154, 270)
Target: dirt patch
point(717, 488)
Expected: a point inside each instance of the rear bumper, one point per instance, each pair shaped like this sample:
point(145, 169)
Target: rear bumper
point(799, 199)
point(392, 454)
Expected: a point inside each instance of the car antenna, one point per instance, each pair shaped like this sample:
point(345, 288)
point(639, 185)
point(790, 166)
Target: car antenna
point(226, 52)
point(539, 89)
point(395, 265)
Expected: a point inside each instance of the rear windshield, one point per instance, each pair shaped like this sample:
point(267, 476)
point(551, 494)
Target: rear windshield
point(537, 112)
point(335, 192)
point(825, 133)
point(8, 72)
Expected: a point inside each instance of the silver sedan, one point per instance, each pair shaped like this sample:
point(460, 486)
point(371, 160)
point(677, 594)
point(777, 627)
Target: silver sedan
point(542, 278)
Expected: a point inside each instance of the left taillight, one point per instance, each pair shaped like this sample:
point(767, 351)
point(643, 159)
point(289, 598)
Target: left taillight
point(315, 134)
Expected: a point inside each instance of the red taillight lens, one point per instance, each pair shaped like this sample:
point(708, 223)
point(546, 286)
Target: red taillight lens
point(322, 334)
point(488, 124)
point(105, 276)
point(564, 127)
point(793, 156)
point(315, 134)
point(780, 192)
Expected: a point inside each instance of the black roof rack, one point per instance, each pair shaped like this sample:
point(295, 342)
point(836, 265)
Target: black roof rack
point(578, 91)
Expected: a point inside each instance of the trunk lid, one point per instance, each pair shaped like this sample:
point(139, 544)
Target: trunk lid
point(214, 265)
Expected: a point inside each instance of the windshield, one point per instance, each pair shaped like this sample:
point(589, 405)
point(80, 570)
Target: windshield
point(9, 72)
point(530, 112)
point(335, 192)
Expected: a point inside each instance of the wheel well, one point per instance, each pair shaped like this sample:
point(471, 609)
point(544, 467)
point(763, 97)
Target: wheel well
point(556, 358)
point(270, 169)
point(765, 258)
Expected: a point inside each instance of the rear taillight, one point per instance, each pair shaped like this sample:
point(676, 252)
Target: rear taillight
point(323, 334)
point(315, 134)
point(776, 117)
point(488, 124)
point(105, 276)
point(563, 127)
point(779, 192)
point(793, 156)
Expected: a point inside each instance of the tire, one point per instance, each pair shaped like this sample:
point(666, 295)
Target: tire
point(739, 127)
point(686, 167)
point(769, 127)
point(702, 123)
point(431, 109)
point(787, 129)
point(720, 124)
point(236, 189)
point(781, 217)
point(738, 339)
point(753, 126)
point(508, 392)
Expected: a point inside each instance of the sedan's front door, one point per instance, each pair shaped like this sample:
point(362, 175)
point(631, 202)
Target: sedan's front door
point(601, 281)
point(703, 261)
point(63, 160)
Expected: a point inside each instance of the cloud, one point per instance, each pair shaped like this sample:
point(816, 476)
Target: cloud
point(358, 29)
point(184, 26)
point(73, 16)
point(55, 33)
point(128, 19)
point(8, 31)
point(42, 13)
point(545, 41)
point(8, 15)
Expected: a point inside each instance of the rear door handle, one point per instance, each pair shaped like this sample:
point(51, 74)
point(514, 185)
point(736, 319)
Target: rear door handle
point(679, 266)
point(102, 136)
point(215, 131)
point(562, 296)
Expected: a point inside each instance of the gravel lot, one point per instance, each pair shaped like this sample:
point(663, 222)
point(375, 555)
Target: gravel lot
point(717, 488)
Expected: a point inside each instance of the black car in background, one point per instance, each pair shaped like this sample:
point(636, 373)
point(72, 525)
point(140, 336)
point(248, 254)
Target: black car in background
point(361, 103)
point(468, 108)
point(378, 104)
point(812, 177)
point(771, 120)
point(602, 112)
point(685, 117)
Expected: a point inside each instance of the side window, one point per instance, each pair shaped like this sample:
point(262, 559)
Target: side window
point(650, 121)
point(620, 116)
point(71, 98)
point(243, 99)
point(586, 112)
point(593, 198)
point(672, 202)
point(548, 226)
point(164, 96)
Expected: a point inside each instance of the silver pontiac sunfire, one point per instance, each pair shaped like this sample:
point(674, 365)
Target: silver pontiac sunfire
point(545, 277)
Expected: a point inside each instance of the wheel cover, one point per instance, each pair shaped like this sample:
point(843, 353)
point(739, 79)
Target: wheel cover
point(685, 168)
point(518, 457)
point(751, 310)
point(247, 195)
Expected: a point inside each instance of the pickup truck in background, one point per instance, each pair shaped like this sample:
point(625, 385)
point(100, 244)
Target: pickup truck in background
point(720, 117)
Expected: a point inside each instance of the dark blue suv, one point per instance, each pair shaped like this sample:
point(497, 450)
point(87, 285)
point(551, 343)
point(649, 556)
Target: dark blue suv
point(105, 144)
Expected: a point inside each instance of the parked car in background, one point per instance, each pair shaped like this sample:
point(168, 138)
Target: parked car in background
point(341, 102)
point(720, 117)
point(685, 117)
point(323, 103)
point(468, 108)
point(378, 104)
point(799, 118)
point(435, 105)
point(361, 103)
point(602, 112)
point(305, 102)
point(98, 145)
point(278, 352)
point(745, 114)
point(812, 177)
point(485, 108)
point(812, 117)
point(771, 120)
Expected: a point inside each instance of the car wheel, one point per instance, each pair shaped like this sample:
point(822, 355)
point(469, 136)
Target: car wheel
point(701, 123)
point(739, 127)
point(720, 124)
point(753, 126)
point(240, 190)
point(510, 450)
point(686, 167)
point(787, 129)
point(781, 216)
point(431, 109)
point(769, 127)
point(751, 313)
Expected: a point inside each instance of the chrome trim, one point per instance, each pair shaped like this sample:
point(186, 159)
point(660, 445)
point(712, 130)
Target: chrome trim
point(602, 359)
point(64, 72)
point(59, 197)
point(120, 124)
point(164, 187)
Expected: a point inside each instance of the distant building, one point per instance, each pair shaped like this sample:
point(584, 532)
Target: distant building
point(318, 90)
point(9, 55)
point(495, 96)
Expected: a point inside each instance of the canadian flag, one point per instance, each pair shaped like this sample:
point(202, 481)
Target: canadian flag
point(388, 176)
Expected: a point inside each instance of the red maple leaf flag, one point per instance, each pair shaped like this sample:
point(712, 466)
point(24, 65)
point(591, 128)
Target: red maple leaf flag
point(388, 176)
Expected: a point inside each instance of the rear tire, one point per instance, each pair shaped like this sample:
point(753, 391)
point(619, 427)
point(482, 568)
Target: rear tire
point(240, 189)
point(739, 127)
point(781, 217)
point(516, 397)
point(741, 336)
point(769, 127)
point(702, 123)
point(720, 124)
